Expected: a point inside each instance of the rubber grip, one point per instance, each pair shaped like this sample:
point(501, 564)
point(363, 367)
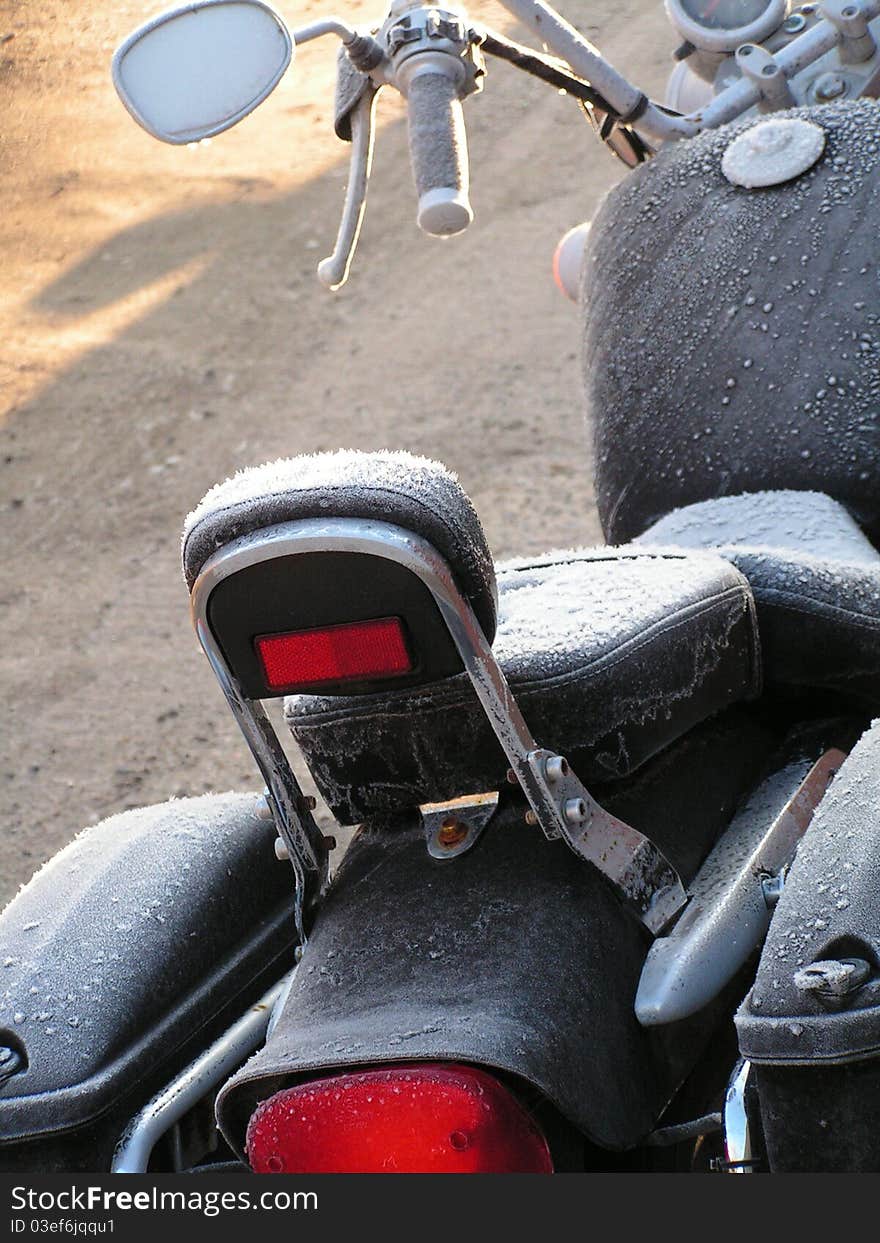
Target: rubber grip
point(438, 151)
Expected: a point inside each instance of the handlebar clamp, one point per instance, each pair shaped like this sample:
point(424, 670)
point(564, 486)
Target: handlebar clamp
point(421, 30)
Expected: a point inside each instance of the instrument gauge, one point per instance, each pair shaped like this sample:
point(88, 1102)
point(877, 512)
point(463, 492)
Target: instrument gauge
point(724, 25)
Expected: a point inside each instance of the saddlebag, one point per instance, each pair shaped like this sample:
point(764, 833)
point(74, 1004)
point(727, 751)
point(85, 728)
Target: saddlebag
point(811, 1024)
point(121, 959)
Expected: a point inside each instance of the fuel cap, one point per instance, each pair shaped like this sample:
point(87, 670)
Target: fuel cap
point(773, 152)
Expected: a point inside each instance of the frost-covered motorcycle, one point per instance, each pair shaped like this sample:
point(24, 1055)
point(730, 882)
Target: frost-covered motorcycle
point(612, 903)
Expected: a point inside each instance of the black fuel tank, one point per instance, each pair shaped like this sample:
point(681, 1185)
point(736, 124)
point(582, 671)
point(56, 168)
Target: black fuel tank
point(732, 336)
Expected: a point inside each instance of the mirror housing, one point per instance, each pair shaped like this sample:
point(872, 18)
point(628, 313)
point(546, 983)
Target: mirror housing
point(198, 70)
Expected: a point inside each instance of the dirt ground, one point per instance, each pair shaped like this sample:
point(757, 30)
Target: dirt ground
point(161, 325)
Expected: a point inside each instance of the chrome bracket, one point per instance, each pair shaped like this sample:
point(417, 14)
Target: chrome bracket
point(563, 807)
point(452, 828)
point(851, 22)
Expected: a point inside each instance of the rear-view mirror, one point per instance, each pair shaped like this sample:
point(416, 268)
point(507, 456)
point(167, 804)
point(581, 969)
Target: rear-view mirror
point(196, 71)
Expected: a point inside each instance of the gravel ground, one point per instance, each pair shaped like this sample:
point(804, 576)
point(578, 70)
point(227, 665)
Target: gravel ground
point(161, 325)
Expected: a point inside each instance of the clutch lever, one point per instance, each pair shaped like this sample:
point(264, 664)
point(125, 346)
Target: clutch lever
point(333, 271)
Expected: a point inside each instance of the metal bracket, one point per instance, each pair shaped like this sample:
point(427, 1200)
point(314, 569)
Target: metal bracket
point(452, 828)
point(850, 20)
point(765, 72)
point(564, 808)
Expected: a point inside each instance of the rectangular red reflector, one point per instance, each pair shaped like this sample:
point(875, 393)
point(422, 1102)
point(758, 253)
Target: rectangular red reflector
point(352, 652)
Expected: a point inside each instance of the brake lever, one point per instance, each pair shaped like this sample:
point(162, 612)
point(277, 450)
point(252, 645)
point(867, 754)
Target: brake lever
point(333, 271)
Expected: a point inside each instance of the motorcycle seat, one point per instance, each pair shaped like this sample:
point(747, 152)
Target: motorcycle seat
point(814, 575)
point(612, 654)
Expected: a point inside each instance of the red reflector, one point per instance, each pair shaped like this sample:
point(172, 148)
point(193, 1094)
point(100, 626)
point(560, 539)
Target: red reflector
point(419, 1119)
point(369, 649)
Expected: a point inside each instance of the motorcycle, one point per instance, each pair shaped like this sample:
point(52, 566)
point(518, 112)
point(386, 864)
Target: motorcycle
point(611, 904)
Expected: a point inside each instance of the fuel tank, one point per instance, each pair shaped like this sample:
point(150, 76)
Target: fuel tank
point(732, 335)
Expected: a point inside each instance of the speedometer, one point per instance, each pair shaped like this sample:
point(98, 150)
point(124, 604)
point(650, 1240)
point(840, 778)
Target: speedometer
point(724, 25)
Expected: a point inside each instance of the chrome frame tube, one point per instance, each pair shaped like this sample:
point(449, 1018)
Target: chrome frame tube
point(206, 1072)
point(737, 1133)
point(295, 824)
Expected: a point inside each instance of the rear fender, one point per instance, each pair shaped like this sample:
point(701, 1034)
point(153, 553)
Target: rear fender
point(516, 956)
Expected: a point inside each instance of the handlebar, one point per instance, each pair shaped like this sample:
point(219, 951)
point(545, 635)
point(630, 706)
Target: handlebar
point(433, 57)
point(438, 151)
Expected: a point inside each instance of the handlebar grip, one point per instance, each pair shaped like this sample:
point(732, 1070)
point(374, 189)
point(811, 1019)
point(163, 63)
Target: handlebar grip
point(438, 151)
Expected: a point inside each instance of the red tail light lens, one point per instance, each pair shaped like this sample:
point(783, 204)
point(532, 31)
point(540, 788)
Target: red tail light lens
point(356, 651)
point(419, 1119)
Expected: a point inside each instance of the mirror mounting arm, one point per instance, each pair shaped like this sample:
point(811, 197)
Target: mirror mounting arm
point(327, 26)
point(364, 51)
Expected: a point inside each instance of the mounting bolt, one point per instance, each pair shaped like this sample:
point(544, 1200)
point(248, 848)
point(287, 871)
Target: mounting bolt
point(531, 817)
point(452, 832)
point(328, 842)
point(11, 1062)
point(574, 810)
point(772, 887)
point(264, 809)
point(829, 86)
point(555, 768)
point(281, 851)
point(512, 778)
point(831, 978)
point(308, 802)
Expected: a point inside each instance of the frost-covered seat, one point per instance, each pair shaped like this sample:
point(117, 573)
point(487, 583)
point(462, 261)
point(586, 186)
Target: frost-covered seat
point(612, 654)
point(814, 575)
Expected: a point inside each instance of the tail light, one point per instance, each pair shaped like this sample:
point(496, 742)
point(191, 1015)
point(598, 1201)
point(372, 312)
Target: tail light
point(356, 651)
point(418, 1119)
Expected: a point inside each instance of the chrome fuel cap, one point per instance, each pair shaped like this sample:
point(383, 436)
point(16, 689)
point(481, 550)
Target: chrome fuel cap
point(773, 152)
